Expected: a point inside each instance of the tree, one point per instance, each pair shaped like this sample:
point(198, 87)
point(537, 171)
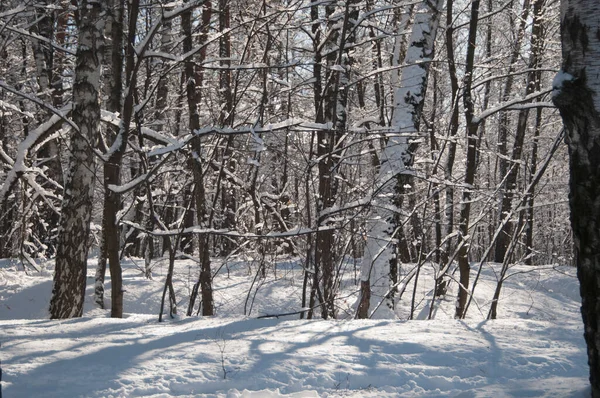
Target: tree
point(112, 167)
point(192, 81)
point(68, 290)
point(49, 82)
point(471, 165)
point(335, 98)
point(576, 94)
point(259, 127)
point(510, 175)
point(397, 157)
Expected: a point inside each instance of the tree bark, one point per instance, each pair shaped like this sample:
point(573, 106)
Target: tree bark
point(335, 103)
point(112, 167)
point(471, 130)
point(529, 218)
point(68, 291)
point(113, 57)
point(409, 98)
point(503, 120)
point(205, 277)
point(226, 118)
point(452, 131)
point(576, 94)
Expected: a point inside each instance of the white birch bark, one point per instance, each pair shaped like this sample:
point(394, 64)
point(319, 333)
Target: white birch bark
point(68, 290)
point(395, 161)
point(576, 93)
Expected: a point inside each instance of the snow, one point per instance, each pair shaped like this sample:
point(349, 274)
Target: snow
point(253, 162)
point(34, 36)
point(19, 165)
point(130, 185)
point(16, 10)
point(559, 80)
point(514, 104)
point(292, 124)
point(535, 348)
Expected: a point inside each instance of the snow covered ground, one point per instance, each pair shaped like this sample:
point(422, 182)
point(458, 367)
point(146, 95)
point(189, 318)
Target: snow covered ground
point(534, 349)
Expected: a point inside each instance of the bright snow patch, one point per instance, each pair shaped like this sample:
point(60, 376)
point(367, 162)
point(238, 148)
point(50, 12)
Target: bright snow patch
point(559, 80)
point(535, 348)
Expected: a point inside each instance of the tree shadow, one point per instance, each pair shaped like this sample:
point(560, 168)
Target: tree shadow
point(138, 357)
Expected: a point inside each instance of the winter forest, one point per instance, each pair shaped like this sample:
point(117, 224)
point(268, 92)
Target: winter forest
point(221, 186)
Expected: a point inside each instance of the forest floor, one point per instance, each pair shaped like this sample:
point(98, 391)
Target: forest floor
point(534, 349)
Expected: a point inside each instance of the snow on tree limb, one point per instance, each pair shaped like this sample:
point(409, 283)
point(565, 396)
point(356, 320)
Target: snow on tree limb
point(35, 36)
point(17, 10)
point(296, 124)
point(513, 104)
point(197, 229)
point(19, 167)
point(57, 112)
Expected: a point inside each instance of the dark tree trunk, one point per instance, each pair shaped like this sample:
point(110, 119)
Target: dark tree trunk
point(205, 277)
point(6, 208)
point(326, 139)
point(313, 271)
point(112, 167)
point(503, 119)
point(113, 88)
point(335, 102)
point(44, 57)
point(529, 218)
point(510, 183)
point(471, 166)
point(452, 131)
point(226, 118)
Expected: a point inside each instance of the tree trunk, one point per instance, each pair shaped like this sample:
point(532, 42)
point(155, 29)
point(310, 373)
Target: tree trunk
point(6, 209)
point(226, 118)
point(576, 93)
point(112, 167)
point(68, 291)
point(205, 277)
point(471, 130)
point(510, 183)
point(113, 89)
point(452, 131)
point(529, 218)
point(503, 120)
point(396, 160)
point(340, 27)
point(312, 270)
point(162, 117)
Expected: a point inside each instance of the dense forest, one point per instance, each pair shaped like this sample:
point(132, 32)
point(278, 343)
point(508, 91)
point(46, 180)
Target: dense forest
point(394, 140)
point(380, 132)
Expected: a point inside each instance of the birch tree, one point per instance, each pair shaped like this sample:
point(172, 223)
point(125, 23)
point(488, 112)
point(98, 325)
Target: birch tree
point(576, 94)
point(396, 161)
point(68, 290)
